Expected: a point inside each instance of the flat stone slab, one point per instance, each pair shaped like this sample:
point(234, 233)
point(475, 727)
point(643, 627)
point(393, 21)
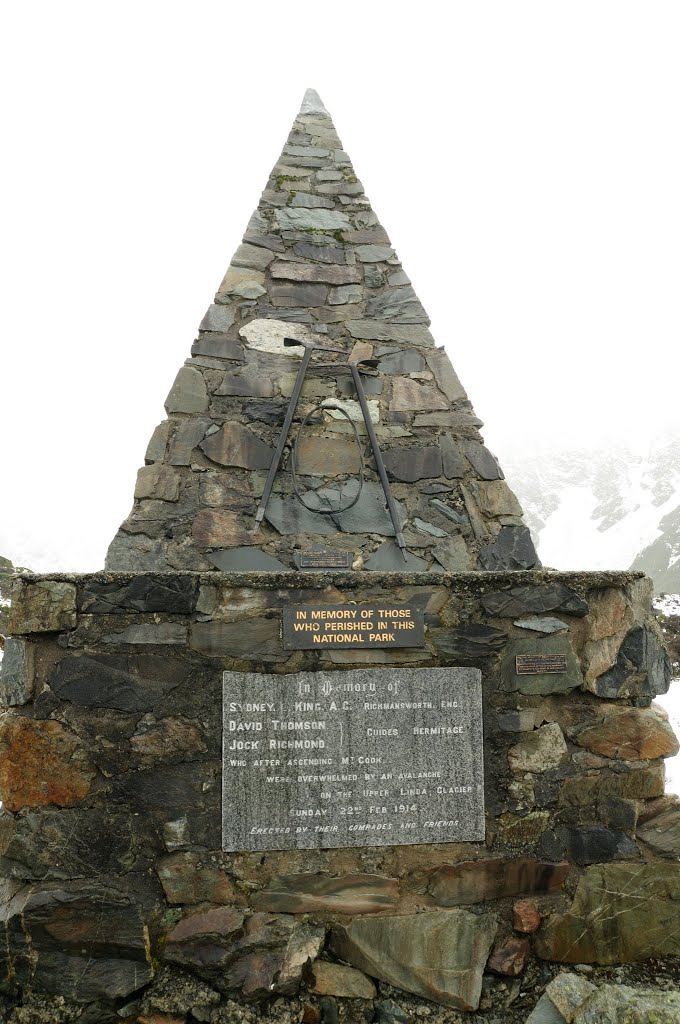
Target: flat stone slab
point(368, 757)
point(440, 956)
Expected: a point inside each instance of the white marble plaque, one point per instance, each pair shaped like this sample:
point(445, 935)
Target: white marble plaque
point(370, 757)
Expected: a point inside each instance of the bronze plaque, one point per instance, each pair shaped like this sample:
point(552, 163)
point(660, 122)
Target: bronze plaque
point(320, 626)
point(326, 559)
point(540, 664)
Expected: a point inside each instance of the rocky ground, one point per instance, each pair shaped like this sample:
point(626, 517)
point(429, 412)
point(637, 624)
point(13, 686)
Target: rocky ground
point(645, 993)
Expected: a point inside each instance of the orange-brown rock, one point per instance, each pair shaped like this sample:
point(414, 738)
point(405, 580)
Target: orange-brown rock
point(525, 917)
point(509, 956)
point(493, 878)
point(631, 734)
point(187, 879)
point(41, 763)
point(311, 1014)
point(216, 528)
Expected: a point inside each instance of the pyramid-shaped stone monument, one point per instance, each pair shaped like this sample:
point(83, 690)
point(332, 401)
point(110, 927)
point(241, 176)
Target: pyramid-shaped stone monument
point(316, 266)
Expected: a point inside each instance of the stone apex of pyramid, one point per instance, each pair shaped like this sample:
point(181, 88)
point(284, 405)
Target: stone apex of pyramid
point(313, 104)
point(316, 265)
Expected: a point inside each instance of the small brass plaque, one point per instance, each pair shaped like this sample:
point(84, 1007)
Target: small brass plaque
point(540, 664)
point(326, 559)
point(319, 626)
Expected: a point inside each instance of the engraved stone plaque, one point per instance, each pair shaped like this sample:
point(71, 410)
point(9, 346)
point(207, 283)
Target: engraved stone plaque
point(327, 558)
point(316, 627)
point(370, 757)
point(540, 664)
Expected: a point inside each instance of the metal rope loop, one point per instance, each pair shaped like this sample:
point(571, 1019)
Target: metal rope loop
point(293, 468)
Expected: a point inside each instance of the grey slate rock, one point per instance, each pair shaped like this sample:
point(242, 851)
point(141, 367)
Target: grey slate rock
point(389, 1012)
point(288, 516)
point(469, 641)
point(245, 560)
point(544, 625)
point(272, 242)
point(374, 253)
point(399, 304)
point(173, 593)
point(372, 386)
point(219, 317)
point(512, 549)
point(413, 463)
point(16, 672)
point(311, 273)
point(452, 461)
point(405, 361)
point(249, 383)
point(186, 438)
point(482, 461)
point(149, 633)
point(267, 410)
point(307, 200)
point(388, 558)
point(252, 257)
point(369, 515)
point(135, 682)
point(260, 641)
point(218, 346)
point(375, 330)
point(320, 220)
point(453, 554)
point(451, 513)
point(527, 598)
point(445, 375)
point(429, 528)
point(642, 668)
point(188, 393)
point(323, 253)
point(288, 294)
point(329, 1010)
point(595, 844)
point(545, 1012)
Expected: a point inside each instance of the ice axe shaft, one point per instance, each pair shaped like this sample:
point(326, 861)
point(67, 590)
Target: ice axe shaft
point(377, 455)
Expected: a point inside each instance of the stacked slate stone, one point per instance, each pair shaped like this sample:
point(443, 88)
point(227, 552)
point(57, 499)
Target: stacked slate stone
point(316, 265)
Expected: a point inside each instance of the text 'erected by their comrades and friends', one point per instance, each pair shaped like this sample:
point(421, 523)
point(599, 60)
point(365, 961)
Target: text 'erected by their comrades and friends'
point(368, 757)
point(306, 627)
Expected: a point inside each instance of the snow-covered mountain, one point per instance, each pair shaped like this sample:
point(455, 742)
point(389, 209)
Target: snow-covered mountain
point(615, 508)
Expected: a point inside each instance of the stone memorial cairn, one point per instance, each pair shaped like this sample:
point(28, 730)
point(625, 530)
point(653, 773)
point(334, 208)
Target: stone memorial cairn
point(120, 899)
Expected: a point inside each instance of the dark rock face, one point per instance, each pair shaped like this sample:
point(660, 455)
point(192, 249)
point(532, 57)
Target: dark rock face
point(142, 593)
point(512, 549)
point(522, 600)
point(412, 464)
point(495, 878)
point(594, 844)
point(91, 841)
point(642, 668)
point(256, 954)
point(118, 681)
point(470, 642)
point(87, 941)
